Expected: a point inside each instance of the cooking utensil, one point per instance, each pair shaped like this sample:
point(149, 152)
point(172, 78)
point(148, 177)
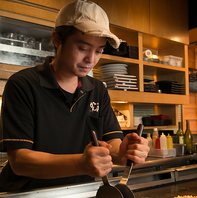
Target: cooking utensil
point(124, 189)
point(106, 190)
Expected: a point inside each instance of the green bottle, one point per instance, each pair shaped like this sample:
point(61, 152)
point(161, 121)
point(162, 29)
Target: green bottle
point(180, 135)
point(188, 139)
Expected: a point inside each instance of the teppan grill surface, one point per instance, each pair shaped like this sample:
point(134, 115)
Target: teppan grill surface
point(188, 187)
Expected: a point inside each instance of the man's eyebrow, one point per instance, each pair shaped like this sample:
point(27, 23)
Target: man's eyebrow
point(86, 43)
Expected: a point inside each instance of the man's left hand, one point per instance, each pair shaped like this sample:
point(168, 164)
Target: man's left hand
point(135, 148)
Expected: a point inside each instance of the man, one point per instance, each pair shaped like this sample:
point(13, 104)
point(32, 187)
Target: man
point(49, 110)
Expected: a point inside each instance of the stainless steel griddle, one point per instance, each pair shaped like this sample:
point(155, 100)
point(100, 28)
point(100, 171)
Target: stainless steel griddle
point(159, 178)
point(187, 187)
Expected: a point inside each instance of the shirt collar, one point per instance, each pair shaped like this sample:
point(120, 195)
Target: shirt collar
point(47, 78)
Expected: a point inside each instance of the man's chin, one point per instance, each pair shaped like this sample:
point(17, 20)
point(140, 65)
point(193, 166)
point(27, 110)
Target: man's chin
point(81, 75)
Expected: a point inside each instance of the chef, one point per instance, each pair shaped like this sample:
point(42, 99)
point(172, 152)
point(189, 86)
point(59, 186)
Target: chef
point(49, 110)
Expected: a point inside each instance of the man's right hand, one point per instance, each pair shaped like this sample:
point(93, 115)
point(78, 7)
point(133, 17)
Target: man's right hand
point(96, 160)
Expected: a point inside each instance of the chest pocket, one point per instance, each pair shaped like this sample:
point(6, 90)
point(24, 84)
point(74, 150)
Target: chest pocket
point(95, 124)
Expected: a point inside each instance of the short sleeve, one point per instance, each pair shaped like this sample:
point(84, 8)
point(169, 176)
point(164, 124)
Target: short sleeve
point(17, 116)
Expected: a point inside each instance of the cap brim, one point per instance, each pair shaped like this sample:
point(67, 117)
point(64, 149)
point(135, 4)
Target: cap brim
point(95, 30)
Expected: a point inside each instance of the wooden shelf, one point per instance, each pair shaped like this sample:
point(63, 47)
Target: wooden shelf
point(147, 97)
point(105, 58)
point(163, 66)
point(150, 127)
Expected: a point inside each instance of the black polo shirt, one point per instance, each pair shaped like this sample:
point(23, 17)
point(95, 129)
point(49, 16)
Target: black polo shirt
point(37, 115)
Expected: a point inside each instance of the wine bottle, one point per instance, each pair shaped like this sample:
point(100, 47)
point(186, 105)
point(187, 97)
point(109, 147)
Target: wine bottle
point(188, 139)
point(180, 135)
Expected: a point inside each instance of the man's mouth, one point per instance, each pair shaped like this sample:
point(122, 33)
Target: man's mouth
point(85, 68)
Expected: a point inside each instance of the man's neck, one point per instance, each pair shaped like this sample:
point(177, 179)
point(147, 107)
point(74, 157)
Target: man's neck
point(67, 82)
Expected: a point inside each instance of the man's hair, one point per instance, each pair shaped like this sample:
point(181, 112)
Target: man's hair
point(64, 32)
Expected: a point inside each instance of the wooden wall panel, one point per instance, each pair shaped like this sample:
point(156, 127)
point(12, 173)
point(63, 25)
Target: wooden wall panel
point(190, 113)
point(55, 4)
point(169, 19)
point(191, 58)
point(128, 13)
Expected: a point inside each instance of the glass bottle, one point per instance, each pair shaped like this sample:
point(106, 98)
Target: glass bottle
point(180, 135)
point(150, 143)
point(188, 139)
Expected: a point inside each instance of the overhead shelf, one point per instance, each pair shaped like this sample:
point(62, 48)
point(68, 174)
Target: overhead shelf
point(26, 51)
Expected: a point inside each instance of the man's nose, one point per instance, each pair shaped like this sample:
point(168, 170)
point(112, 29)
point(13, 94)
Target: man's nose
point(89, 58)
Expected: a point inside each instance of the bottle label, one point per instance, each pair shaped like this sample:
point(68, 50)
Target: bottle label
point(181, 139)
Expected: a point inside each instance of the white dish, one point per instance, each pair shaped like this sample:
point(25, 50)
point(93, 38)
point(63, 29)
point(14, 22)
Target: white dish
point(114, 65)
point(120, 84)
point(123, 82)
point(112, 69)
point(122, 87)
point(111, 73)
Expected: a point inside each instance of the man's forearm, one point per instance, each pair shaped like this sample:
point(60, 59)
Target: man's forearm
point(42, 165)
point(114, 151)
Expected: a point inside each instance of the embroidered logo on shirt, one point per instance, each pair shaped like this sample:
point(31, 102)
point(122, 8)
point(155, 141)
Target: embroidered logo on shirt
point(94, 106)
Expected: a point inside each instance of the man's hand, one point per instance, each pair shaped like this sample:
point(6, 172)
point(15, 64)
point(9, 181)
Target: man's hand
point(134, 148)
point(96, 160)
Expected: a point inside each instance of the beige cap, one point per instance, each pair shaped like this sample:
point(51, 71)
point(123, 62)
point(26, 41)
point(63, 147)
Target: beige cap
point(89, 18)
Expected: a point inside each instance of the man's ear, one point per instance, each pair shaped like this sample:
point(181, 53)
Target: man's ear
point(56, 39)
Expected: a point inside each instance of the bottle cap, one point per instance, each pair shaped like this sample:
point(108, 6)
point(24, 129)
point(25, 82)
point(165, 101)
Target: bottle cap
point(169, 136)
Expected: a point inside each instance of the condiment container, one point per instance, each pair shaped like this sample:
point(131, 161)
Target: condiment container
point(163, 141)
point(157, 143)
point(154, 137)
point(169, 142)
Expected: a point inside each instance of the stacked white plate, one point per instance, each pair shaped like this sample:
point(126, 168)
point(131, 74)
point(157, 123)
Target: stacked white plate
point(111, 69)
point(121, 81)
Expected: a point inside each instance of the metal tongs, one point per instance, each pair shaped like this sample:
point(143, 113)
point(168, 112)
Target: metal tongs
point(120, 190)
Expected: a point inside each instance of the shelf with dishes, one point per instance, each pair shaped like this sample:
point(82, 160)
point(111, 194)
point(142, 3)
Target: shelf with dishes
point(130, 115)
point(171, 76)
point(168, 67)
